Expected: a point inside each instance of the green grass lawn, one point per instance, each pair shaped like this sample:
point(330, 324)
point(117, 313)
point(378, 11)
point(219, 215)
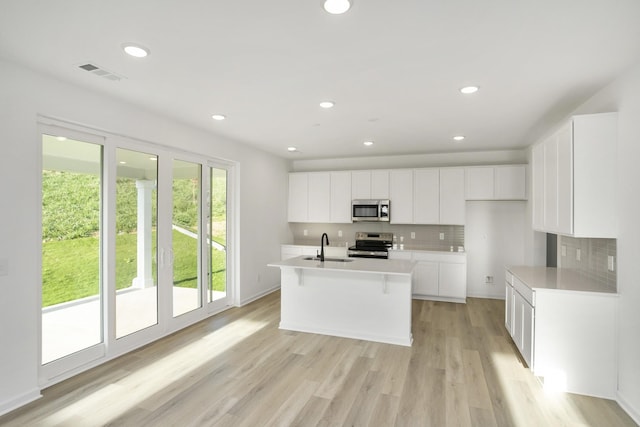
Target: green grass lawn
point(70, 268)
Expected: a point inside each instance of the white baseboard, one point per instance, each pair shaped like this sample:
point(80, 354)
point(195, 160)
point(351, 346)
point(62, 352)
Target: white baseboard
point(260, 295)
point(634, 413)
point(18, 401)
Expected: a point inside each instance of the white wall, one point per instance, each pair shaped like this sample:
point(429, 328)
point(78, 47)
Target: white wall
point(24, 95)
point(494, 238)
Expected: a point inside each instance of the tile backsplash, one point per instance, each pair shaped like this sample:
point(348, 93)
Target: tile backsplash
point(593, 256)
point(427, 237)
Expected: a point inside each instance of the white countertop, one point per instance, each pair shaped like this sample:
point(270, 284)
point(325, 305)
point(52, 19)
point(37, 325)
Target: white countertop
point(355, 265)
point(546, 278)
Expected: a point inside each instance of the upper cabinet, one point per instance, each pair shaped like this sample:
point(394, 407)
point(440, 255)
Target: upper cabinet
point(452, 203)
point(321, 197)
point(574, 177)
point(427, 196)
point(507, 182)
point(373, 184)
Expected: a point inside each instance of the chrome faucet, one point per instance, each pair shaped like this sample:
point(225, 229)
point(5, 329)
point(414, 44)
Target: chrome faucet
point(322, 240)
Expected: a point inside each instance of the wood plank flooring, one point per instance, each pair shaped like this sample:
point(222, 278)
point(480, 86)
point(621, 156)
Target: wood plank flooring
point(239, 369)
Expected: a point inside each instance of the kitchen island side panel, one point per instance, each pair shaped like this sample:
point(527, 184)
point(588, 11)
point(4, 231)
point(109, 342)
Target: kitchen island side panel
point(368, 306)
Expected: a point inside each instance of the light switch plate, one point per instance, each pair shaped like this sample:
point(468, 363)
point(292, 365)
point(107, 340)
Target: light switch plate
point(305, 232)
point(611, 263)
point(578, 254)
point(339, 233)
point(413, 235)
point(441, 236)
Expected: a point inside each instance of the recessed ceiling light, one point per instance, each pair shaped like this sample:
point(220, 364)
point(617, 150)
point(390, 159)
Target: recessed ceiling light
point(292, 149)
point(135, 50)
point(458, 137)
point(61, 138)
point(153, 158)
point(218, 117)
point(336, 7)
point(469, 89)
point(368, 143)
point(327, 104)
point(123, 163)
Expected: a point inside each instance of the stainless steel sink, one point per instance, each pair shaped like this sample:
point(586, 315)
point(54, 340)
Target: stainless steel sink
point(317, 258)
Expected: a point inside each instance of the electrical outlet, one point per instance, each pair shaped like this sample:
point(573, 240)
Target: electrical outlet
point(305, 232)
point(339, 233)
point(563, 250)
point(578, 254)
point(413, 235)
point(441, 236)
point(488, 280)
point(611, 263)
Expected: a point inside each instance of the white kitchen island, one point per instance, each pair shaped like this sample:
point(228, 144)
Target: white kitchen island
point(368, 299)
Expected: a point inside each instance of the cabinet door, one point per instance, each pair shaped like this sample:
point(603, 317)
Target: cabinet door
point(537, 181)
point(565, 180)
point(426, 196)
point(527, 333)
point(479, 183)
point(319, 189)
point(508, 308)
point(425, 278)
point(380, 184)
point(361, 185)
point(341, 197)
point(551, 184)
point(452, 203)
point(298, 197)
point(401, 196)
point(510, 182)
point(452, 280)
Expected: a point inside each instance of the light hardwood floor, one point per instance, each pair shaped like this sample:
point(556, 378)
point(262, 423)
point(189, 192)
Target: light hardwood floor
point(239, 369)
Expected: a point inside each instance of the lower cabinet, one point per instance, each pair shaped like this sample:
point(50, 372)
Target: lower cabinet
point(438, 276)
point(566, 337)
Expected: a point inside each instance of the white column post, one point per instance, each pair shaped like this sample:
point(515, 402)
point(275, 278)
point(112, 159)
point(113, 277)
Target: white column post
point(145, 219)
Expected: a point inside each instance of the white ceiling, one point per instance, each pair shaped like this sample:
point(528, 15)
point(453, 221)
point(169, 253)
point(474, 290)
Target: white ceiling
point(392, 67)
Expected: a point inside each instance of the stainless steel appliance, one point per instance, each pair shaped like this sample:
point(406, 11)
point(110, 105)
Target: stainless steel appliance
point(371, 245)
point(370, 210)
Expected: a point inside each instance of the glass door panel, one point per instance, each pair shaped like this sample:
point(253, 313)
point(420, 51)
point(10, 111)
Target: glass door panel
point(71, 241)
point(136, 241)
point(217, 236)
point(185, 237)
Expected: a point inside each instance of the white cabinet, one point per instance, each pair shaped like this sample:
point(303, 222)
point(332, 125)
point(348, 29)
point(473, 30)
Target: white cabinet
point(452, 280)
point(537, 185)
point(373, 184)
point(574, 177)
point(451, 201)
point(564, 335)
point(341, 197)
point(479, 183)
point(505, 182)
point(425, 278)
point(298, 197)
point(319, 197)
point(401, 196)
point(440, 276)
point(426, 196)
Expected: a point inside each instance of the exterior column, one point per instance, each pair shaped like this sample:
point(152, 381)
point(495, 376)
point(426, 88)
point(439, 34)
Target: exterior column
point(145, 219)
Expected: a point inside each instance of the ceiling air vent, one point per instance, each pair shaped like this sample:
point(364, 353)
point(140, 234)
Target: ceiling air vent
point(100, 72)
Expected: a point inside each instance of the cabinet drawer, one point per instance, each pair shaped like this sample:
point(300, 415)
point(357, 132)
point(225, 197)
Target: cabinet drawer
point(526, 292)
point(508, 277)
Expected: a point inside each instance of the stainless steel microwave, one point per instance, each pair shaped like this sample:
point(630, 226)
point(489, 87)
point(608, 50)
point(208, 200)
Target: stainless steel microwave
point(370, 210)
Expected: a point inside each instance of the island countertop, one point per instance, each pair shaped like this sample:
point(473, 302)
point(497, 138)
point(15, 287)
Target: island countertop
point(352, 265)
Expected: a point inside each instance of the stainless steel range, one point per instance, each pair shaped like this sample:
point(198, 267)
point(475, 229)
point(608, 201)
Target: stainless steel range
point(371, 245)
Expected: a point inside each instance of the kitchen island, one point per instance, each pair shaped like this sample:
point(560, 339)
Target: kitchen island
point(368, 299)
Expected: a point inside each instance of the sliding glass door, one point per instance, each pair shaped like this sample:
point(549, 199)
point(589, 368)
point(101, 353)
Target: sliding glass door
point(71, 245)
point(135, 245)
